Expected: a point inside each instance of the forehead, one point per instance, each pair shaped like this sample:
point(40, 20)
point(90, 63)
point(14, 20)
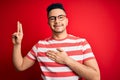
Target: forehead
point(56, 12)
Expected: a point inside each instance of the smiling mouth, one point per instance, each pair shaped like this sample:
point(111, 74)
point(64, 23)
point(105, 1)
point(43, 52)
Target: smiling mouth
point(58, 25)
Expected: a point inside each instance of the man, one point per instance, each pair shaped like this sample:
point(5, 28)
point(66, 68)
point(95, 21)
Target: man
point(62, 56)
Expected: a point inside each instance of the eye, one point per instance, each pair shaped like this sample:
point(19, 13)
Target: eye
point(61, 17)
point(52, 18)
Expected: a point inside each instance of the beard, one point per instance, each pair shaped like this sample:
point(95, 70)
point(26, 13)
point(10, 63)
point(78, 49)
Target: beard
point(58, 31)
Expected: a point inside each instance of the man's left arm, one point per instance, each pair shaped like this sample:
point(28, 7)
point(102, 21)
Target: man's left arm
point(89, 70)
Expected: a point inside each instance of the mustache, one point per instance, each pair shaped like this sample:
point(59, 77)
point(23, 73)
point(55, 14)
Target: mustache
point(57, 25)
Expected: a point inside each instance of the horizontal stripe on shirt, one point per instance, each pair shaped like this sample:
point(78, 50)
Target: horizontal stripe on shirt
point(73, 48)
point(58, 42)
point(77, 57)
point(59, 74)
point(60, 78)
point(69, 53)
point(56, 69)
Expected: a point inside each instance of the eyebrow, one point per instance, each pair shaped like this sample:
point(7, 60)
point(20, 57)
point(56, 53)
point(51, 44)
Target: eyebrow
point(56, 16)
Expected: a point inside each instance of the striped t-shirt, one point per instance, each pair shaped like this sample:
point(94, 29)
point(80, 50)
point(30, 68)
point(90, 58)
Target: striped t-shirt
point(76, 48)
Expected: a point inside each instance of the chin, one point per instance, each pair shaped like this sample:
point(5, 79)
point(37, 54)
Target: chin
point(58, 31)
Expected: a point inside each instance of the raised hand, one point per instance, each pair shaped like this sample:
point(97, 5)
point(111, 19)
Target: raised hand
point(18, 36)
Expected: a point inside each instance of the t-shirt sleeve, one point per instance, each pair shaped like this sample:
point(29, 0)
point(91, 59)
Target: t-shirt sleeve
point(87, 51)
point(32, 53)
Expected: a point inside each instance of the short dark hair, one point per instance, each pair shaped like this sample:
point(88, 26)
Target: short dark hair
point(55, 6)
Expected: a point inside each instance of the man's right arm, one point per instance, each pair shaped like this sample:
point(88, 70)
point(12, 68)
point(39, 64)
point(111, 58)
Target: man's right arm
point(21, 63)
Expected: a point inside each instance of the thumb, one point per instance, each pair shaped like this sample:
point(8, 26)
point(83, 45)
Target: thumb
point(60, 50)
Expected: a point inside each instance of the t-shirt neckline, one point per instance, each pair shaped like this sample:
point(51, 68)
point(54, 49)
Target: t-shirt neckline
point(60, 39)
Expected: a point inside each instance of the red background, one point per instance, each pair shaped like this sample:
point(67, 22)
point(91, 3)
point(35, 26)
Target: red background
point(96, 20)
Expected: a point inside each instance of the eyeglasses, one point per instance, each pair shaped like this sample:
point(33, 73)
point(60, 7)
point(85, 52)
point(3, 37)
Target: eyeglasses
point(60, 17)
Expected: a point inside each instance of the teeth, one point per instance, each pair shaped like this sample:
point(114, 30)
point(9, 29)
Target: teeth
point(57, 26)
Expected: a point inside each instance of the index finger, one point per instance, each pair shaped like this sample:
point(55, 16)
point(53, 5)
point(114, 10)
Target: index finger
point(19, 27)
point(60, 50)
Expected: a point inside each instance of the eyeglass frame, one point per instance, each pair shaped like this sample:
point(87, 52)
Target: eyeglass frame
point(55, 17)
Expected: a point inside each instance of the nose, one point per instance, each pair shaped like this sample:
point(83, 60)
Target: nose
point(56, 20)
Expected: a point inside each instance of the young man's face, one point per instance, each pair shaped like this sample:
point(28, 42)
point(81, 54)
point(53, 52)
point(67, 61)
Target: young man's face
point(57, 20)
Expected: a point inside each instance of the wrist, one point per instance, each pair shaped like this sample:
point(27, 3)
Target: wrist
point(17, 45)
point(68, 60)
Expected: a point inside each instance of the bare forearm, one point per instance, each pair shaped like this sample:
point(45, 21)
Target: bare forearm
point(17, 56)
point(82, 70)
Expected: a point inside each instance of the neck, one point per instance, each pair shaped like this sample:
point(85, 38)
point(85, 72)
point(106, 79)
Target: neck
point(60, 35)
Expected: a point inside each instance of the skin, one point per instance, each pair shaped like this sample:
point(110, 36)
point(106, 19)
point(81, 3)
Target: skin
point(89, 70)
